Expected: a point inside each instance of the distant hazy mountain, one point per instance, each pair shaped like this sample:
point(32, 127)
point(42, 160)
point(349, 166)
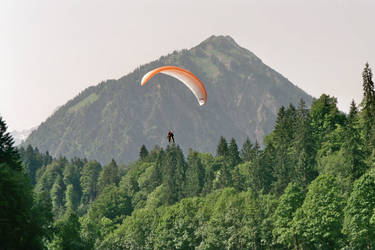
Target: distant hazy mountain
point(20, 136)
point(114, 118)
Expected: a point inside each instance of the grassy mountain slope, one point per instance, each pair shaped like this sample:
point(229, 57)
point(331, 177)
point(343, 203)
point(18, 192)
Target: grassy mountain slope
point(114, 118)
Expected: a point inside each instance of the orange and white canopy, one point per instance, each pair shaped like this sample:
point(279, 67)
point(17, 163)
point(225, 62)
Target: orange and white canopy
point(185, 76)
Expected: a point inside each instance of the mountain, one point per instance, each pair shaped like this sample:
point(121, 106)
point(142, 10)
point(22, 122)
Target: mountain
point(114, 118)
point(20, 136)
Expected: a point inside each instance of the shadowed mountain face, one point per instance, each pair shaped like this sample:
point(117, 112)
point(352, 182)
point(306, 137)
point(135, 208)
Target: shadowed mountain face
point(114, 118)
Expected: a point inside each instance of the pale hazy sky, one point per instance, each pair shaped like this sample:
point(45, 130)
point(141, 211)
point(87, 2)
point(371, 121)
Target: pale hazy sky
point(51, 50)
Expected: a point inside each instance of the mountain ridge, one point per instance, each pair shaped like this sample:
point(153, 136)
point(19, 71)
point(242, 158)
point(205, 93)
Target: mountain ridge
point(114, 118)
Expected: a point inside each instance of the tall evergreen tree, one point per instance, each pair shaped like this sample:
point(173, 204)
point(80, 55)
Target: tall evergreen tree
point(109, 175)
point(247, 150)
point(194, 175)
point(282, 139)
point(19, 229)
point(233, 154)
point(352, 147)
point(303, 147)
point(222, 147)
point(89, 181)
point(368, 109)
point(57, 196)
point(174, 173)
point(143, 152)
point(71, 198)
point(223, 176)
point(368, 102)
point(33, 161)
point(8, 153)
point(156, 177)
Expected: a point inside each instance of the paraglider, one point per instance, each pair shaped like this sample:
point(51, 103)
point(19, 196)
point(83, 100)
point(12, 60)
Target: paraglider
point(170, 136)
point(185, 76)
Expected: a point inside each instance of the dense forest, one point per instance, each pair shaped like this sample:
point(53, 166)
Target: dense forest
point(309, 185)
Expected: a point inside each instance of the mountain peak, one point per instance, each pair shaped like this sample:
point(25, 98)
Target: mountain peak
point(219, 40)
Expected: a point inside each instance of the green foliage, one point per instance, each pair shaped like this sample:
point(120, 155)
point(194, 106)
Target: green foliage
point(194, 176)
point(89, 181)
point(57, 196)
point(303, 151)
point(368, 104)
point(134, 233)
point(324, 116)
point(112, 203)
point(318, 221)
point(223, 177)
point(222, 147)
point(67, 233)
point(358, 213)
point(20, 228)
point(34, 160)
point(176, 228)
point(248, 151)
point(174, 174)
point(280, 196)
point(16, 208)
point(233, 153)
point(143, 153)
point(284, 233)
point(109, 176)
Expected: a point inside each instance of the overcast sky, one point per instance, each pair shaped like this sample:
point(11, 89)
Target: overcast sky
point(52, 50)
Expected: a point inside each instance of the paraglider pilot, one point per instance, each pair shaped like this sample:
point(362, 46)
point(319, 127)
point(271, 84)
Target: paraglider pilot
point(170, 136)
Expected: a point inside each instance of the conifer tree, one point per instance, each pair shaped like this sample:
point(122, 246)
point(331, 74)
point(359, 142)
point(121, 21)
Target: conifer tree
point(223, 176)
point(174, 173)
point(57, 196)
point(282, 140)
point(247, 150)
point(19, 229)
point(368, 102)
point(303, 147)
point(233, 154)
point(194, 175)
point(368, 109)
point(222, 147)
point(143, 153)
point(33, 161)
point(71, 198)
point(109, 175)
point(8, 153)
point(89, 181)
point(353, 144)
point(156, 177)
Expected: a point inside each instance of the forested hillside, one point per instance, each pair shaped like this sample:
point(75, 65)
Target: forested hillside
point(312, 186)
point(116, 117)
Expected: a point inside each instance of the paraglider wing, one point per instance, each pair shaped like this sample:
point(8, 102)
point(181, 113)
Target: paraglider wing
point(185, 76)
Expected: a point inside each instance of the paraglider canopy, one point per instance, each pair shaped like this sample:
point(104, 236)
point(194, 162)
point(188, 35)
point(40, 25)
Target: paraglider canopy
point(185, 76)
